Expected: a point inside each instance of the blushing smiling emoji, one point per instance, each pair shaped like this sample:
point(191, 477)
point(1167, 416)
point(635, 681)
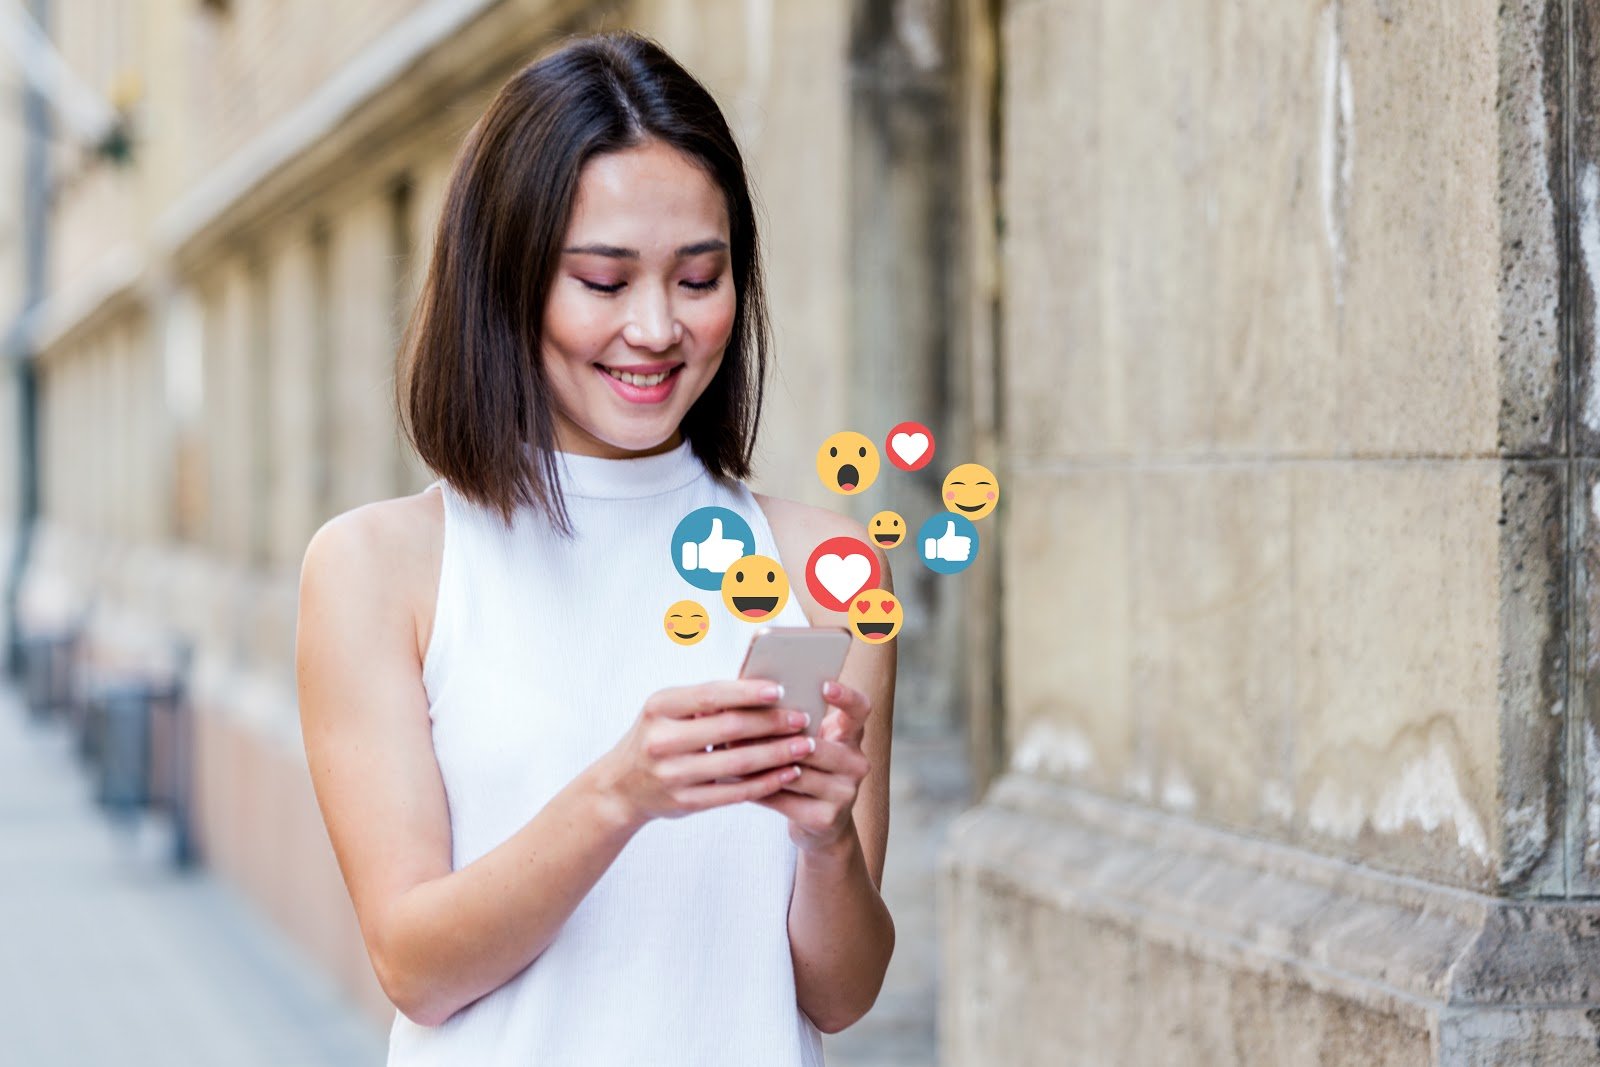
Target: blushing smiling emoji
point(971, 490)
point(887, 529)
point(847, 462)
point(755, 588)
point(686, 623)
point(875, 616)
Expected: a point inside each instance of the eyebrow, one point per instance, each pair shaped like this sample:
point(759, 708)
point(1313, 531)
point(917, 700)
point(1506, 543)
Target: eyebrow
point(713, 244)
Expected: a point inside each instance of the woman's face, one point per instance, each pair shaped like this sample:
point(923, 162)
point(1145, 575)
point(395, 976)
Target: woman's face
point(644, 289)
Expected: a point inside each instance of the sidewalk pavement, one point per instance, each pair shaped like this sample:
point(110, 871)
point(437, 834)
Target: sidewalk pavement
point(112, 957)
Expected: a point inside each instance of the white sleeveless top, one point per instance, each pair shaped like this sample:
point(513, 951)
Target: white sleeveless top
point(542, 654)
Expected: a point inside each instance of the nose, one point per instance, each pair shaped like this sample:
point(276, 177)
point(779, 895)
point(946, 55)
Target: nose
point(652, 325)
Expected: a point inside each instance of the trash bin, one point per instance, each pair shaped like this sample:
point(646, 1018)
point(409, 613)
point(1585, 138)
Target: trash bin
point(47, 657)
point(120, 723)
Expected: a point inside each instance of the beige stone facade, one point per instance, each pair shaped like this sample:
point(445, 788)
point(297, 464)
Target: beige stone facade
point(1296, 341)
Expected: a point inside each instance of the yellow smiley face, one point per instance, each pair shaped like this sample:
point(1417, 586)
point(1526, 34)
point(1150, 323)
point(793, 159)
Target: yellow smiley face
point(686, 623)
point(875, 616)
point(887, 529)
point(847, 462)
point(755, 588)
point(971, 490)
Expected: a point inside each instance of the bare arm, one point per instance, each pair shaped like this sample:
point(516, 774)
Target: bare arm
point(439, 939)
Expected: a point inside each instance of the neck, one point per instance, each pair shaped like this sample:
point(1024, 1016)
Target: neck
point(578, 441)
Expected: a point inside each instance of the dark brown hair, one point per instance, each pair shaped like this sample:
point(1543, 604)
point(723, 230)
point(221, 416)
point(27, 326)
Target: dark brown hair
point(471, 387)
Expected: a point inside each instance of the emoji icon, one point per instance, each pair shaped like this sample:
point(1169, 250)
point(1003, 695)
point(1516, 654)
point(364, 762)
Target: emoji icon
point(909, 446)
point(838, 569)
point(686, 622)
point(706, 542)
point(875, 616)
point(755, 588)
point(972, 490)
point(949, 542)
point(847, 463)
point(887, 528)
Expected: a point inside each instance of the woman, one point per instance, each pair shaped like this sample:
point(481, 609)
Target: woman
point(517, 769)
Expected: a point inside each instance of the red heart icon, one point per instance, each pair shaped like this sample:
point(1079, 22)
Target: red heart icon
point(863, 605)
point(886, 605)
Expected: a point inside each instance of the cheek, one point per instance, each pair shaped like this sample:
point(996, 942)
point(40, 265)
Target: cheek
point(711, 320)
point(575, 329)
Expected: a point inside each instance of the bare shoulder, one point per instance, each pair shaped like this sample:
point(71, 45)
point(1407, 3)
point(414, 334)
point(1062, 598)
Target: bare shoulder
point(798, 528)
point(388, 549)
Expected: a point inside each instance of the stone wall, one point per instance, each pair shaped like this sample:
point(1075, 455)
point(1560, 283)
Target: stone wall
point(1295, 360)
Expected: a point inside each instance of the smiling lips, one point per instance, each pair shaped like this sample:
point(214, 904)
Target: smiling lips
point(874, 630)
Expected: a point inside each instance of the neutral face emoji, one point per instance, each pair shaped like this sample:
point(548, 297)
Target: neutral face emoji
point(887, 529)
point(875, 616)
point(686, 623)
point(755, 588)
point(847, 462)
point(972, 490)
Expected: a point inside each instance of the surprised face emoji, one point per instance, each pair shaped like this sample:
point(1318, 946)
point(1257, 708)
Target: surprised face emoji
point(686, 623)
point(875, 616)
point(755, 588)
point(847, 462)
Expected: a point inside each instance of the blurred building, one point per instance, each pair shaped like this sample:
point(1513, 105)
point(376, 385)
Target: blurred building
point(1276, 321)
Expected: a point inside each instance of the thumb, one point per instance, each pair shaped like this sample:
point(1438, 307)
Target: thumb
point(950, 528)
point(716, 529)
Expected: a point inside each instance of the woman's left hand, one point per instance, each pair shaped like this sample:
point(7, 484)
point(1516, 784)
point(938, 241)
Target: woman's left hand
point(819, 804)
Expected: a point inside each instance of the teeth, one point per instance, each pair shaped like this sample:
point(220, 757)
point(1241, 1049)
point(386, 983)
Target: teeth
point(638, 379)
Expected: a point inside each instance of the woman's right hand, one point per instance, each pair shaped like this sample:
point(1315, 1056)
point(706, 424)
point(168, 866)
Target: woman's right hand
point(661, 769)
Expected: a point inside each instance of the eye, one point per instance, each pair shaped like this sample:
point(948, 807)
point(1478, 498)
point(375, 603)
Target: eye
point(771, 577)
point(704, 287)
point(616, 287)
point(833, 452)
point(897, 522)
point(738, 576)
point(863, 453)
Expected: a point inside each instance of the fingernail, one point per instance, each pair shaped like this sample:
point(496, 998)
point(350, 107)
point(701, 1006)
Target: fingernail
point(830, 689)
point(772, 692)
point(799, 718)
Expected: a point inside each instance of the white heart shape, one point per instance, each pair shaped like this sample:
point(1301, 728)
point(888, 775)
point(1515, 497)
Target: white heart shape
point(844, 576)
point(909, 446)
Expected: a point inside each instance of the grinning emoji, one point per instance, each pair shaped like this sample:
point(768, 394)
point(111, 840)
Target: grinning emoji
point(888, 529)
point(847, 462)
point(972, 490)
point(875, 616)
point(686, 623)
point(755, 588)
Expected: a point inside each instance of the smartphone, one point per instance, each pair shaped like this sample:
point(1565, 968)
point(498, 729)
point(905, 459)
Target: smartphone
point(799, 658)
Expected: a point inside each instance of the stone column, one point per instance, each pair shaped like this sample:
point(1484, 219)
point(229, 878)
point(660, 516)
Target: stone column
point(1299, 466)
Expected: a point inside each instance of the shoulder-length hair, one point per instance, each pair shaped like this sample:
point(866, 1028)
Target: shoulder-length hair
point(470, 387)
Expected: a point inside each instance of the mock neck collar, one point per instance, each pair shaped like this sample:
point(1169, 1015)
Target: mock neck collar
point(622, 479)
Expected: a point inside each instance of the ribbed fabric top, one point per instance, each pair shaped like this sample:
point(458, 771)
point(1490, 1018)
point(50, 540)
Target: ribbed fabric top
point(542, 655)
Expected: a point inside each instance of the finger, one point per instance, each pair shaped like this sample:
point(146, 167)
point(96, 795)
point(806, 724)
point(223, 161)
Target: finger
point(825, 794)
point(688, 701)
point(852, 705)
point(716, 530)
point(836, 759)
point(732, 725)
point(716, 794)
point(742, 762)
